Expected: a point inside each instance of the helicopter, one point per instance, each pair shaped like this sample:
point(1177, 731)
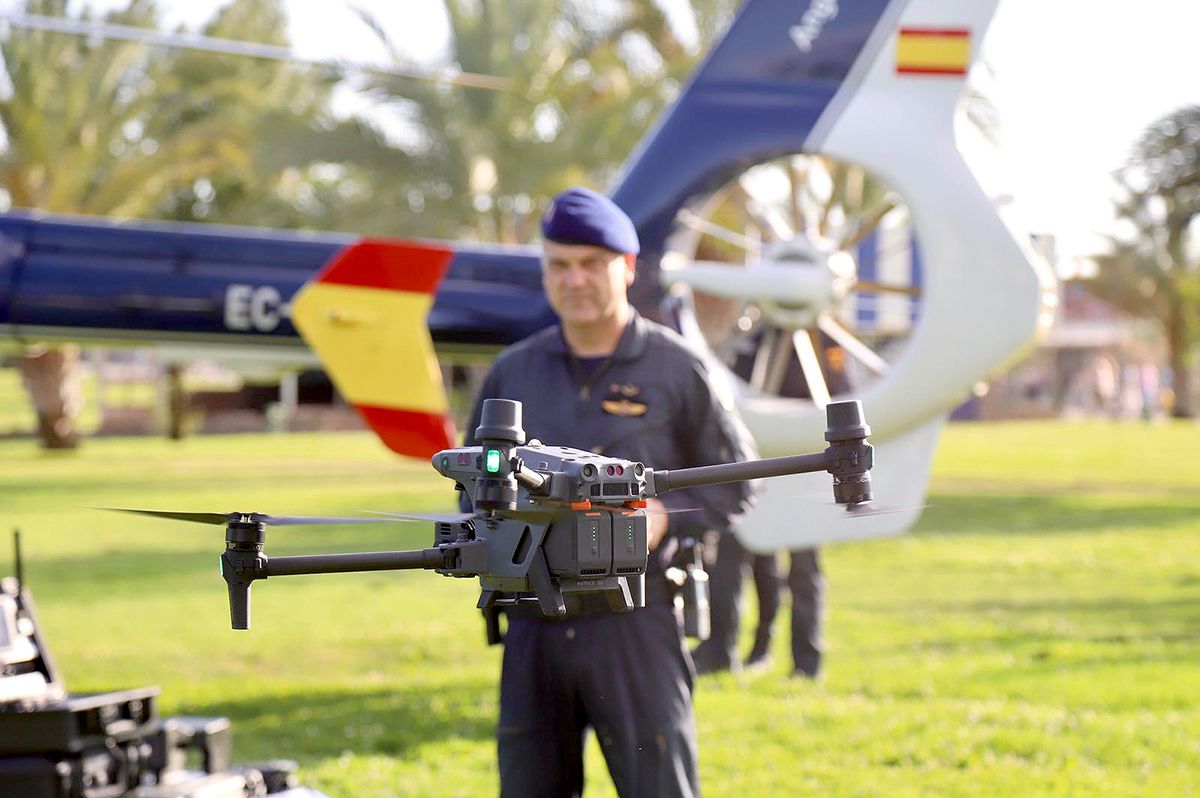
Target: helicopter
point(930, 290)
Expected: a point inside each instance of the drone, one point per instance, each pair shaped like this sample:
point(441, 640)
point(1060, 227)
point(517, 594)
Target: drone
point(548, 522)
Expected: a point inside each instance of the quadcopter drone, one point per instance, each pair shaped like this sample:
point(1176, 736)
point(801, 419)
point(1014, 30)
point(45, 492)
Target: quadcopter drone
point(548, 521)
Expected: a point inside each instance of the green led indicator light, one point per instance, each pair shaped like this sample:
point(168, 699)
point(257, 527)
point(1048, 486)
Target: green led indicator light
point(493, 461)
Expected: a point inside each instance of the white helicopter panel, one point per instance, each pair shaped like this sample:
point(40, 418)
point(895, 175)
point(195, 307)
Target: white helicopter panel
point(984, 295)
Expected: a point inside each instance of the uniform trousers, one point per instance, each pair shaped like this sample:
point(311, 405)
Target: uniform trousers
point(628, 676)
point(807, 586)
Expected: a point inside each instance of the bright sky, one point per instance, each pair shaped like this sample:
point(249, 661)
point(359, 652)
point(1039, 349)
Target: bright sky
point(1075, 83)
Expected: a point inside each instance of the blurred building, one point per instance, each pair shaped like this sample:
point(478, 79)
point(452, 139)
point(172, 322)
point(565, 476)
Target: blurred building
point(1095, 360)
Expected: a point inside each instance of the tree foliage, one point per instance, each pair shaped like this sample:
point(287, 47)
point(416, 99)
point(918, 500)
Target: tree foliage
point(115, 128)
point(586, 81)
point(1153, 266)
point(75, 117)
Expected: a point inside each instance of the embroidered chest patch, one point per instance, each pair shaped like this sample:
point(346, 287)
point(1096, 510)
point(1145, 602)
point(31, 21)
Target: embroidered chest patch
point(622, 400)
point(623, 407)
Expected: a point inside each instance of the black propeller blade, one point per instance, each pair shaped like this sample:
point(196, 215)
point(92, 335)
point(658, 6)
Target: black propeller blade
point(673, 511)
point(458, 518)
point(221, 519)
point(298, 520)
point(445, 518)
point(865, 509)
point(648, 510)
point(861, 510)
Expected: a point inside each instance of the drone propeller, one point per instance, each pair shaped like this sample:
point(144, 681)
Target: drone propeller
point(866, 509)
point(458, 518)
point(222, 519)
point(652, 511)
point(860, 510)
point(444, 518)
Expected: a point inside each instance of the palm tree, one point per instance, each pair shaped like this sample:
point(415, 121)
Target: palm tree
point(1153, 268)
point(290, 162)
point(585, 86)
point(75, 121)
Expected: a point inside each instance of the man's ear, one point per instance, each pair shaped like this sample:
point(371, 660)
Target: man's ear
point(630, 268)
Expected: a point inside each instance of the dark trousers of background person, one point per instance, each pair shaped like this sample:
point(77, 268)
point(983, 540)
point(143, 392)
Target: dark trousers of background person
point(807, 585)
point(723, 559)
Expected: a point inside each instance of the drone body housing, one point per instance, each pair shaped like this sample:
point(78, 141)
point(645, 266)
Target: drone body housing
point(552, 520)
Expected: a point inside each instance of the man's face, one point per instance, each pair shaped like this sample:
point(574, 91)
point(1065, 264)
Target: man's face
point(585, 284)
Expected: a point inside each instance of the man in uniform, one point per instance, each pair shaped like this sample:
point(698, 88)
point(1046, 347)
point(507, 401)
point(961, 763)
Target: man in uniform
point(804, 578)
point(609, 381)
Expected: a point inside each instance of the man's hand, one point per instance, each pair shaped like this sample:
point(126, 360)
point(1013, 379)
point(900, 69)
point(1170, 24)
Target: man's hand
point(657, 522)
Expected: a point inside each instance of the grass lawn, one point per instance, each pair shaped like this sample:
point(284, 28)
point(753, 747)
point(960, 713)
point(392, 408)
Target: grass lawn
point(1038, 634)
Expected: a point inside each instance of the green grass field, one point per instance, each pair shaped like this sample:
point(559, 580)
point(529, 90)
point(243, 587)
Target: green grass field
point(1039, 634)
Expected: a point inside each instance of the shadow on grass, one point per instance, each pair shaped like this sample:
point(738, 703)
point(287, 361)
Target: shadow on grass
point(325, 723)
point(1034, 515)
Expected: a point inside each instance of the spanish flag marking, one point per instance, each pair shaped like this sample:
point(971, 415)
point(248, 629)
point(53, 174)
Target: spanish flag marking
point(933, 51)
point(409, 433)
point(375, 344)
point(365, 317)
point(390, 265)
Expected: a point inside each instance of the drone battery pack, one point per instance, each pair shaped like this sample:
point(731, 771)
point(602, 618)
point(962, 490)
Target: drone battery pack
point(80, 722)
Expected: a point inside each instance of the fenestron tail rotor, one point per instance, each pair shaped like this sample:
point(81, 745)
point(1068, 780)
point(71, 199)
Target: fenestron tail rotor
point(802, 274)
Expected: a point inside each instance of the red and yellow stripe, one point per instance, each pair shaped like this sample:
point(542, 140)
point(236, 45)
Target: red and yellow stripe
point(365, 317)
point(933, 51)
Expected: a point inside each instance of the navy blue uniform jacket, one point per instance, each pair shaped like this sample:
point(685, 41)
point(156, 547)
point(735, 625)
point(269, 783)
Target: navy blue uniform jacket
point(654, 401)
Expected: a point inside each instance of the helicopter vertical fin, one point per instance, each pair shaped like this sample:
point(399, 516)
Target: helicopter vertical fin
point(365, 317)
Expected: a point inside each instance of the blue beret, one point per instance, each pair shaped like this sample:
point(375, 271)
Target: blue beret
point(581, 216)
